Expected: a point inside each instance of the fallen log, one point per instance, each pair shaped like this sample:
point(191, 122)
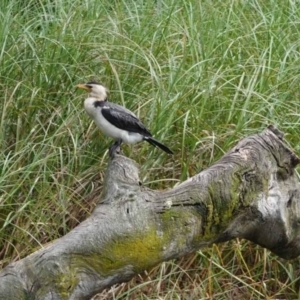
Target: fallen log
point(252, 192)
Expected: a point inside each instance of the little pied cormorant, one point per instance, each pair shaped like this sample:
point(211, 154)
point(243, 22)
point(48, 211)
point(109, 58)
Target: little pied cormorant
point(114, 120)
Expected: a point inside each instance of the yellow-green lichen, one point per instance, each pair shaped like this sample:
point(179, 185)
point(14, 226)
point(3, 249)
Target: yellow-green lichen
point(140, 250)
point(66, 282)
point(178, 223)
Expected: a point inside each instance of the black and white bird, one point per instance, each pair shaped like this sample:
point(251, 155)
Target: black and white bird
point(114, 120)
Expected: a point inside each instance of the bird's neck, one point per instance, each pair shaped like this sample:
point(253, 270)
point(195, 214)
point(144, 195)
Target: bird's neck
point(89, 105)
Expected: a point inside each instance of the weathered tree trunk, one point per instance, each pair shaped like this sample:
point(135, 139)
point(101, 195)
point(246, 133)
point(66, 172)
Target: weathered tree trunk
point(252, 193)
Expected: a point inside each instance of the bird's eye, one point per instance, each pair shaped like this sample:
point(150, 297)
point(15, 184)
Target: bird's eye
point(88, 86)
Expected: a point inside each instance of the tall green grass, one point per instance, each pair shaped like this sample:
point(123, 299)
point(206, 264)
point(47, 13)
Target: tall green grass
point(200, 74)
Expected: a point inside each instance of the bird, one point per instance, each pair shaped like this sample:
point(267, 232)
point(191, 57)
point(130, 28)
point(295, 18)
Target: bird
point(114, 120)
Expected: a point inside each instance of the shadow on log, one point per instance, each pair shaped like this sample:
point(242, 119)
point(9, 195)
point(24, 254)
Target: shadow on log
point(252, 193)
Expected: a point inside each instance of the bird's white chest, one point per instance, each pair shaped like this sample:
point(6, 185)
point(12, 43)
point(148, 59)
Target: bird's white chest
point(106, 127)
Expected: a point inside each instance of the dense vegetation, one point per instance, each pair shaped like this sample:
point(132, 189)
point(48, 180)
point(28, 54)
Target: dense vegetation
point(200, 74)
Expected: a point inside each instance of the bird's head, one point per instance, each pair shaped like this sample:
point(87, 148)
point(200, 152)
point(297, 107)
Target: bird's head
point(95, 89)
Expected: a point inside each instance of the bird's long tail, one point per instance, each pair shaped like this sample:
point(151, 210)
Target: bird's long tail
point(156, 143)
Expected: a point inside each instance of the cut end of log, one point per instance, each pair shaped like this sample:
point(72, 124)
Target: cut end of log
point(294, 159)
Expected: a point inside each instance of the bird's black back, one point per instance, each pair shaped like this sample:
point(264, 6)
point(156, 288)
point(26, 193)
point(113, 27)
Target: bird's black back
point(122, 118)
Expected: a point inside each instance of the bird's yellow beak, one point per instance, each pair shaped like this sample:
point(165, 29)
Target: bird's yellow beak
point(83, 86)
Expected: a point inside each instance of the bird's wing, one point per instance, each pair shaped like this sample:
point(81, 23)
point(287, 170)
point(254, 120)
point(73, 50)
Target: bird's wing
point(119, 107)
point(123, 119)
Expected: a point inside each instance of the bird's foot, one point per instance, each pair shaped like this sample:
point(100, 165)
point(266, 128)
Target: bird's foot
point(114, 149)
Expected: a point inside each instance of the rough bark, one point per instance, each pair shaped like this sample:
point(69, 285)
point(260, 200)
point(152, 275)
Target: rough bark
point(252, 193)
